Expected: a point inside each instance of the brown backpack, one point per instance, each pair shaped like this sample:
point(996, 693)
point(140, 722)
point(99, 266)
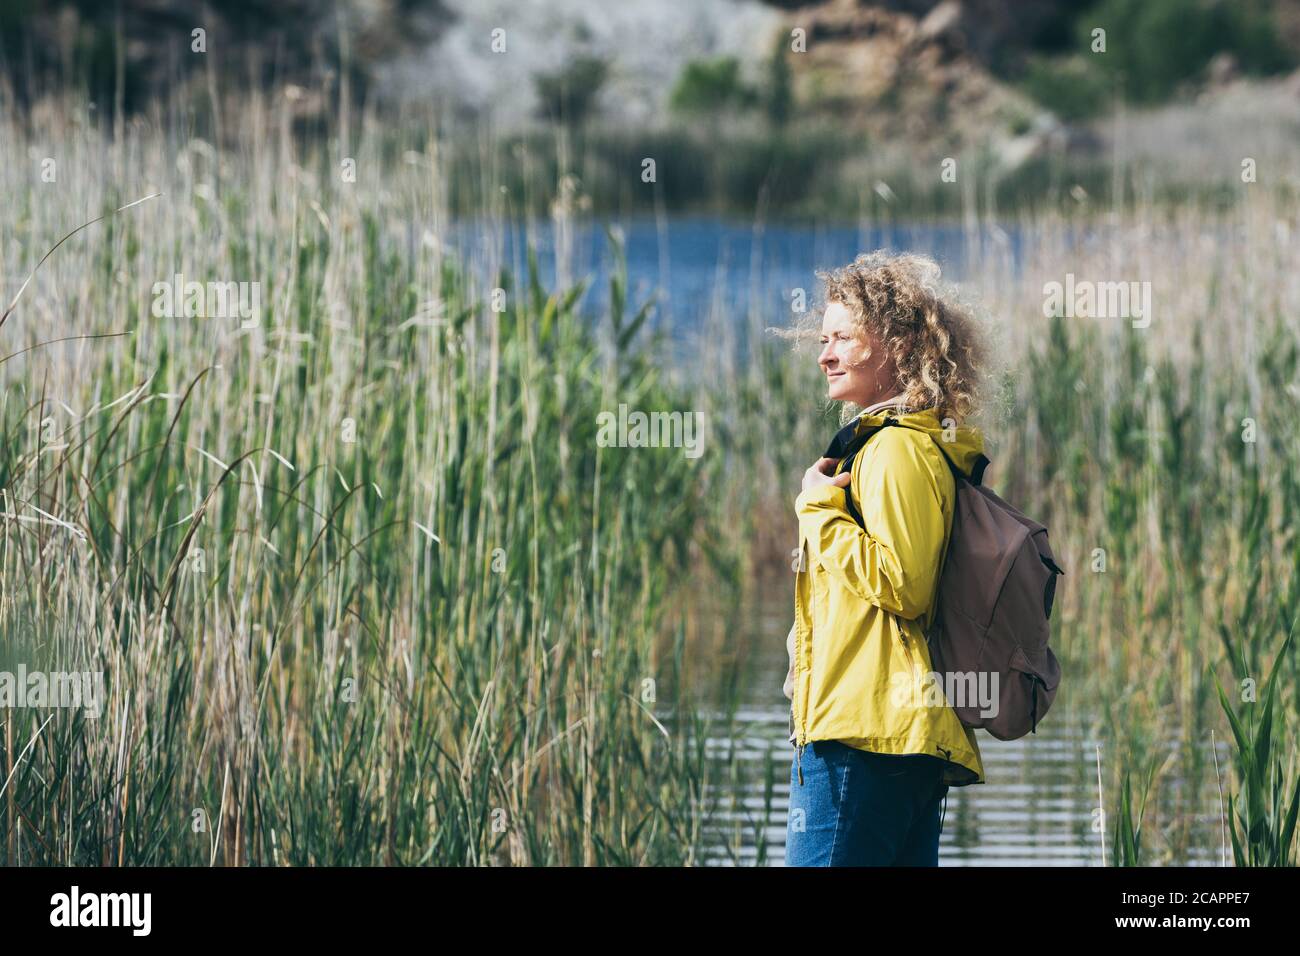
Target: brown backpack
point(992, 614)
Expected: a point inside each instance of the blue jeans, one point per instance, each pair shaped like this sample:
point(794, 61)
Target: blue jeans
point(858, 808)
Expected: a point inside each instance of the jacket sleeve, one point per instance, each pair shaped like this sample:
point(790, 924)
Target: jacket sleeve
point(894, 563)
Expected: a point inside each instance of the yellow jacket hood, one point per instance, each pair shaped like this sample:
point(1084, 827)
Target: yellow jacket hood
point(962, 445)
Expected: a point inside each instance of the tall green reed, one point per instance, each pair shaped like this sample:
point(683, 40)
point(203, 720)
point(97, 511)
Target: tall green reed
point(363, 583)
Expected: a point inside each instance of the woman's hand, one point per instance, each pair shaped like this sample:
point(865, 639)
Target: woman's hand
point(821, 474)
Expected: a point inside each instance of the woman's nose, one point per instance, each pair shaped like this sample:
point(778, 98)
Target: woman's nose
point(826, 356)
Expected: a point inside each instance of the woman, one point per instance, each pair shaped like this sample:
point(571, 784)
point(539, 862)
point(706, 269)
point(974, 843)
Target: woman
point(877, 745)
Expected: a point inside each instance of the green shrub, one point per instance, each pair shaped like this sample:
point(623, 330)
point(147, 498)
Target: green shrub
point(710, 86)
point(1071, 87)
point(570, 95)
point(1152, 46)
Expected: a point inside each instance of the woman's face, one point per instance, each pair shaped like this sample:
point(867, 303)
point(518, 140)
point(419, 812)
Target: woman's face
point(851, 374)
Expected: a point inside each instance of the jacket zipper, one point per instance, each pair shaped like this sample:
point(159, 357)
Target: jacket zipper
point(801, 738)
point(889, 420)
point(902, 639)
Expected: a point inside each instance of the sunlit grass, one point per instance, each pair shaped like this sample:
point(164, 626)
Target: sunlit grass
point(366, 589)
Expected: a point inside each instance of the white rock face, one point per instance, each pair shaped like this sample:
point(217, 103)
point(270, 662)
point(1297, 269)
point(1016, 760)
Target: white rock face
point(647, 43)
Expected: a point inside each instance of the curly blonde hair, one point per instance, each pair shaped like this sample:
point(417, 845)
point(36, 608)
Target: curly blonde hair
point(934, 345)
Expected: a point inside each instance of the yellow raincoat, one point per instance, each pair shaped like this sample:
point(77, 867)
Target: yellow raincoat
point(860, 666)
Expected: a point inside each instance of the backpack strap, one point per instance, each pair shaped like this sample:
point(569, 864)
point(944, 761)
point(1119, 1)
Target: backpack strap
point(846, 444)
point(850, 439)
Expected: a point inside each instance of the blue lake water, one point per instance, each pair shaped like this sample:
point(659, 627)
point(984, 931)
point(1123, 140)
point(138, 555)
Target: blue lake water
point(697, 264)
